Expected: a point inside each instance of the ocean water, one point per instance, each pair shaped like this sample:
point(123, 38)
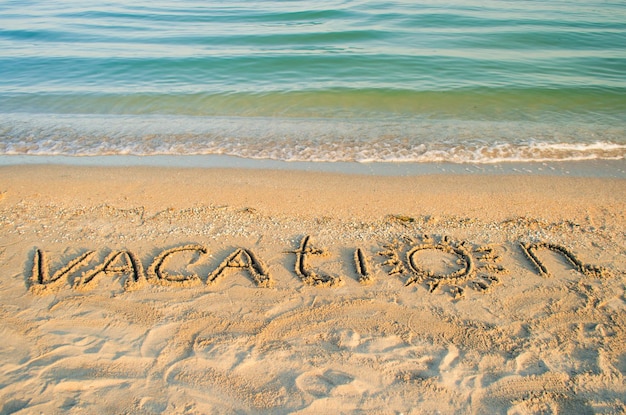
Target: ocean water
point(463, 81)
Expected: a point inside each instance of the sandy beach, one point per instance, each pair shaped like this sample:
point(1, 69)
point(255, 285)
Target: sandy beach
point(150, 290)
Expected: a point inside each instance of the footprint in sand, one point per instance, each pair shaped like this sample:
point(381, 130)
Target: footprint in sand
point(529, 363)
point(321, 385)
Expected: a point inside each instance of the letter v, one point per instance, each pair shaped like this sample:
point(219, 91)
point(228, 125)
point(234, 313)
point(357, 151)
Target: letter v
point(40, 277)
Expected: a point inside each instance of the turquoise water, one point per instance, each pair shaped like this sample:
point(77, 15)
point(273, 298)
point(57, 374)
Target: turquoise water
point(369, 81)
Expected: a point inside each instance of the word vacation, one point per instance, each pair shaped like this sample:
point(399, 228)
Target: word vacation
point(477, 266)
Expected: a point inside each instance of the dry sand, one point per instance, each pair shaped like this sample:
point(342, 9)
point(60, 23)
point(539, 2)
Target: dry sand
point(201, 291)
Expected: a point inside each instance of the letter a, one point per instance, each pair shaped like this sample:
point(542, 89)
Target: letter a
point(244, 258)
point(117, 262)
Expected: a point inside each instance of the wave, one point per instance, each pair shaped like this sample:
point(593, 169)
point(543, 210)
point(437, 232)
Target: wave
point(416, 140)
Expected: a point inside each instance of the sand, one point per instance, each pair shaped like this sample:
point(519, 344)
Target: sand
point(150, 290)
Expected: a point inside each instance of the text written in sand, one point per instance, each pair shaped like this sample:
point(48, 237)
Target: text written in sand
point(475, 267)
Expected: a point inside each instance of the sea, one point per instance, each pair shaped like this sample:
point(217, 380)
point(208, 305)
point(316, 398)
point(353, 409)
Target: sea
point(463, 82)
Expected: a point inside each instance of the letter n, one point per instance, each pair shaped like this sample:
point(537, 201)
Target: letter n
point(587, 269)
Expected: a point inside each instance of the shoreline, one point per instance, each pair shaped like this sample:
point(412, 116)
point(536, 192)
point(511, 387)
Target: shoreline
point(577, 168)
